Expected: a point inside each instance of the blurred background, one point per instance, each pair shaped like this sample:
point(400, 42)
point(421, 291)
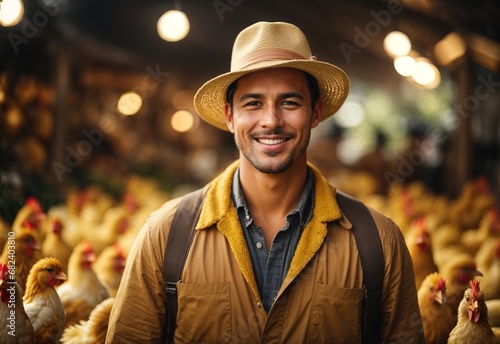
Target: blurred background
point(94, 94)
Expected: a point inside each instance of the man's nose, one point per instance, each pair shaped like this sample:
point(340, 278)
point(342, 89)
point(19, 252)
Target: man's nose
point(271, 117)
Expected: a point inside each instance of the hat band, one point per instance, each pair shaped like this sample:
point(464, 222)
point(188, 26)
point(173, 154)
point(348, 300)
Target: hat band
point(266, 55)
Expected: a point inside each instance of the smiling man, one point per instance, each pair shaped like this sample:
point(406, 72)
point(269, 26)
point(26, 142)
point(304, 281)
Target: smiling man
point(274, 258)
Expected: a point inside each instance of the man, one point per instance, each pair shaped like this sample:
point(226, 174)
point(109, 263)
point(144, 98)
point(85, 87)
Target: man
point(273, 259)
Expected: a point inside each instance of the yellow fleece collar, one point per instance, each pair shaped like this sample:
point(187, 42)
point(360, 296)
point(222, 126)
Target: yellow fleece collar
point(218, 209)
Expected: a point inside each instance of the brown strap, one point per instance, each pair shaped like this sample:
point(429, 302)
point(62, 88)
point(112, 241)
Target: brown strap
point(178, 244)
point(372, 261)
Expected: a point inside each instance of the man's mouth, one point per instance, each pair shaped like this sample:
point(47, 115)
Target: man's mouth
point(271, 141)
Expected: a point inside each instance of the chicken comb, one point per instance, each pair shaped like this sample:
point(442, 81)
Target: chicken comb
point(33, 203)
point(407, 203)
point(119, 249)
point(419, 223)
point(441, 284)
point(87, 247)
point(474, 284)
point(29, 225)
point(495, 220)
point(4, 271)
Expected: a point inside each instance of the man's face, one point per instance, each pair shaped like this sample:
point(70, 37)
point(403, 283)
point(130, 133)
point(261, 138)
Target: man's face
point(272, 117)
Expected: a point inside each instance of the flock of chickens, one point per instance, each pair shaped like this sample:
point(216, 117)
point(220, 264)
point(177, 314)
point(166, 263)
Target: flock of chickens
point(60, 269)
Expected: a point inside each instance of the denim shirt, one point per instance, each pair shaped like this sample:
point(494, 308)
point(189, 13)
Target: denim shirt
point(270, 268)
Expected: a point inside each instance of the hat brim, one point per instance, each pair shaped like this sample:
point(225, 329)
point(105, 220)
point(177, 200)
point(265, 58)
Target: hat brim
point(333, 83)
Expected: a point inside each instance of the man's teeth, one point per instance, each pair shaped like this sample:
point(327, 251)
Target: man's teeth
point(271, 141)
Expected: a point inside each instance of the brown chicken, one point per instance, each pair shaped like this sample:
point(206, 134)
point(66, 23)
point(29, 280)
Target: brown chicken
point(32, 217)
point(92, 331)
point(437, 319)
point(115, 223)
point(54, 245)
point(42, 304)
point(418, 240)
point(15, 325)
point(83, 290)
point(488, 259)
point(458, 272)
point(26, 254)
point(473, 325)
point(489, 226)
point(109, 267)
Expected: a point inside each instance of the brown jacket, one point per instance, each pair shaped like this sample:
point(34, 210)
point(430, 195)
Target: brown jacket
point(319, 301)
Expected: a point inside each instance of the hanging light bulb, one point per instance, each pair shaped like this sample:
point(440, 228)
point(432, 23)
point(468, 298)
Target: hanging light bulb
point(11, 12)
point(397, 43)
point(173, 25)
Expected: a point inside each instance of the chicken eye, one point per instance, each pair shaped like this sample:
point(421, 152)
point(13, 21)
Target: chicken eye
point(50, 270)
point(467, 299)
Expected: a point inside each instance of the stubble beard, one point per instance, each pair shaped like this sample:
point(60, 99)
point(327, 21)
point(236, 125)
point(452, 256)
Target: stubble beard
point(277, 165)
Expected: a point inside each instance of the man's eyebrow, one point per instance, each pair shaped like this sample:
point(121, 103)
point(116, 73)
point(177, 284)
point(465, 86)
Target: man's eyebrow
point(251, 95)
point(282, 96)
point(292, 95)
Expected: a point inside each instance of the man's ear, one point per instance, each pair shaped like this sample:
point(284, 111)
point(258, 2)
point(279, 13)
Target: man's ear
point(229, 117)
point(317, 113)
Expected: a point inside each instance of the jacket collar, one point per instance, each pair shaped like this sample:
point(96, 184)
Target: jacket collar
point(218, 210)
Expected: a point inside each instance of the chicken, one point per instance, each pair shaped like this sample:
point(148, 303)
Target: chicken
point(83, 290)
point(42, 304)
point(92, 331)
point(488, 258)
point(418, 240)
point(438, 320)
point(114, 224)
point(473, 325)
point(109, 267)
point(458, 272)
point(26, 253)
point(15, 325)
point(54, 245)
point(467, 210)
point(32, 217)
point(489, 226)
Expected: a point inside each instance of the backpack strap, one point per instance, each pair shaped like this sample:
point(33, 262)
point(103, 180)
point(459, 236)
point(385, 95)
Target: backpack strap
point(372, 261)
point(178, 245)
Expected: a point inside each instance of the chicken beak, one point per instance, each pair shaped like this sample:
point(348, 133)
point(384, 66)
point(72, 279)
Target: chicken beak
point(477, 273)
point(474, 313)
point(36, 246)
point(440, 297)
point(61, 276)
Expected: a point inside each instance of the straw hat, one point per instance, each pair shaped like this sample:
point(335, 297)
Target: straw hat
point(265, 45)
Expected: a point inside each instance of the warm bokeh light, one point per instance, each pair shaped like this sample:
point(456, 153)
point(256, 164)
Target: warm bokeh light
point(450, 48)
point(404, 65)
point(173, 26)
point(129, 103)
point(11, 12)
point(351, 114)
point(182, 121)
point(424, 73)
point(349, 151)
point(2, 96)
point(397, 43)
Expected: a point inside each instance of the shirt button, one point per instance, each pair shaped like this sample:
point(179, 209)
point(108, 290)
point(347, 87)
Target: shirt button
point(259, 245)
point(248, 217)
point(259, 305)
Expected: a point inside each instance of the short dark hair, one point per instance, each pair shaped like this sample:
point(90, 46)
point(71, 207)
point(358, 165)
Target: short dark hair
point(312, 85)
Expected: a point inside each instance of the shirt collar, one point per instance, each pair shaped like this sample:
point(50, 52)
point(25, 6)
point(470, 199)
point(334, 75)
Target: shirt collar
point(303, 209)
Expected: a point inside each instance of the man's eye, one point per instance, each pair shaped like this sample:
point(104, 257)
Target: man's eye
point(290, 103)
point(252, 103)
